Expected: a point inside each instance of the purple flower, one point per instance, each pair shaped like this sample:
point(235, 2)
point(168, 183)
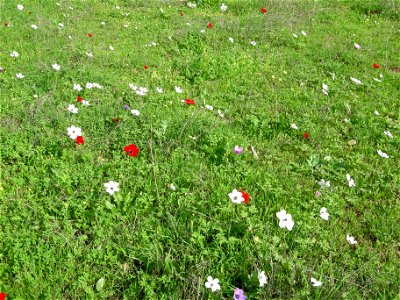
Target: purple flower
point(238, 150)
point(126, 106)
point(238, 294)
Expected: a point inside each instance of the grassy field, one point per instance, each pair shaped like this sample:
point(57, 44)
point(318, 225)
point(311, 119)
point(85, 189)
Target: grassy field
point(277, 84)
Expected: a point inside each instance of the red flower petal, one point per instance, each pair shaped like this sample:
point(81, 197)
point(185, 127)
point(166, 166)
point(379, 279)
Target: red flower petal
point(209, 25)
point(116, 120)
point(131, 150)
point(79, 140)
point(376, 66)
point(190, 101)
point(3, 296)
point(263, 10)
point(145, 67)
point(306, 135)
point(90, 35)
point(79, 99)
point(246, 197)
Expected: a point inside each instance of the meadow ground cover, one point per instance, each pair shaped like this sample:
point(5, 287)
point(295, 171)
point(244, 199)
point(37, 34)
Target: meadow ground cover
point(200, 150)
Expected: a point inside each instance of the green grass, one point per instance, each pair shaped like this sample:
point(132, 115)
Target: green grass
point(60, 232)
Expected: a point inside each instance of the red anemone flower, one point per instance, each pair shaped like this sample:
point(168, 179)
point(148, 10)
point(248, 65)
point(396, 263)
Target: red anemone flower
point(263, 10)
point(3, 296)
point(79, 99)
point(376, 66)
point(79, 140)
point(306, 135)
point(131, 150)
point(190, 101)
point(209, 25)
point(145, 67)
point(245, 196)
point(90, 35)
point(116, 120)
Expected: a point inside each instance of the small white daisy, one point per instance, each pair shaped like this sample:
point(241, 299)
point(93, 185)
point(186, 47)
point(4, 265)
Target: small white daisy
point(20, 7)
point(19, 75)
point(34, 26)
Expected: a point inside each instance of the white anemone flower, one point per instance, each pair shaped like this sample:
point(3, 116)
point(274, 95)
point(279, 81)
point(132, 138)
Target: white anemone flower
point(356, 81)
point(253, 43)
point(315, 282)
point(20, 7)
point(33, 26)
point(293, 126)
point(231, 40)
point(350, 181)
point(324, 213)
point(285, 220)
point(325, 89)
point(111, 187)
point(77, 87)
point(19, 75)
point(357, 46)
point(262, 278)
point(236, 196)
point(223, 7)
point(73, 109)
point(135, 112)
point(74, 132)
point(324, 184)
point(56, 67)
point(382, 154)
point(388, 134)
point(178, 90)
point(213, 284)
point(351, 240)
point(142, 91)
point(159, 90)
point(14, 54)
